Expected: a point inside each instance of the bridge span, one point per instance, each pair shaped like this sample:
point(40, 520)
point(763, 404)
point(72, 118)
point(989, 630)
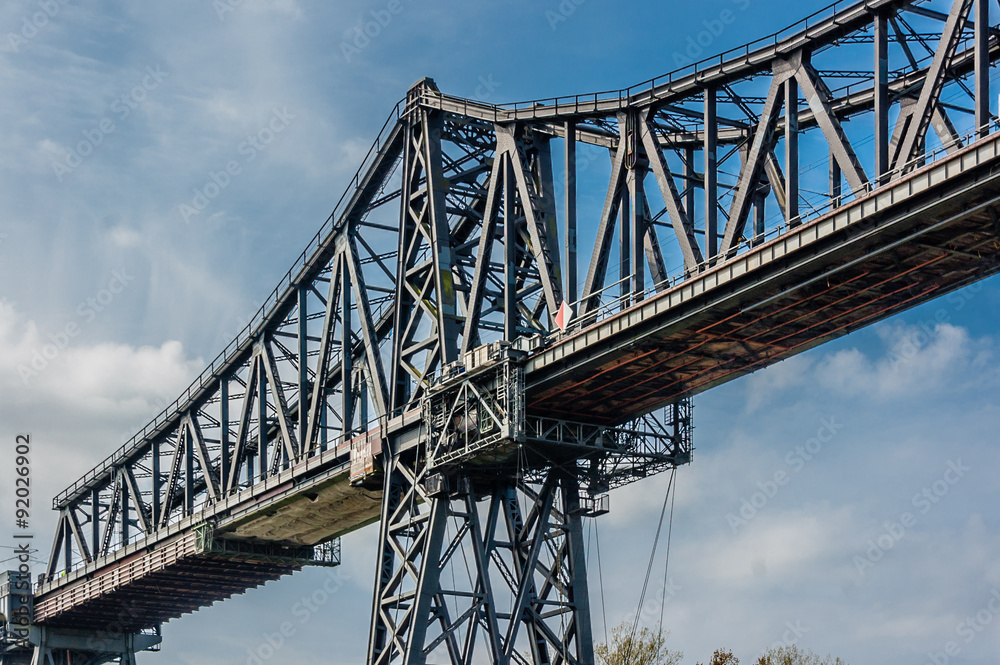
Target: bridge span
point(433, 363)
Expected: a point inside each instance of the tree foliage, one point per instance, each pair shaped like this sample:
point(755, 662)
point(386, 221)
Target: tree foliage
point(723, 657)
point(793, 655)
point(647, 647)
point(644, 647)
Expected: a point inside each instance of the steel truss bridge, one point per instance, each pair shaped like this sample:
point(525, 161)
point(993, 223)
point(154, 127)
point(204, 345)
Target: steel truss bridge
point(435, 363)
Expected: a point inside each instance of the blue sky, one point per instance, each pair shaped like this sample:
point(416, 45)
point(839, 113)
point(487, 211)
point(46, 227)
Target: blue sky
point(165, 94)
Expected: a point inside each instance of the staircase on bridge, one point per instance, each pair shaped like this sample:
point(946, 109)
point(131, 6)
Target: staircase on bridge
point(433, 361)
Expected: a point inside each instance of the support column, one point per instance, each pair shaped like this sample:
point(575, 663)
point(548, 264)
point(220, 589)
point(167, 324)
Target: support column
point(186, 441)
point(578, 592)
point(625, 248)
point(262, 414)
point(835, 182)
point(510, 313)
point(636, 232)
point(303, 353)
point(689, 180)
point(758, 218)
point(981, 13)
point(711, 177)
point(792, 152)
point(157, 482)
point(881, 97)
point(346, 352)
point(524, 596)
point(571, 286)
point(68, 534)
point(124, 514)
point(224, 445)
point(95, 521)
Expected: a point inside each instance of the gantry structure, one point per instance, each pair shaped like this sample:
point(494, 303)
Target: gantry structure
point(436, 363)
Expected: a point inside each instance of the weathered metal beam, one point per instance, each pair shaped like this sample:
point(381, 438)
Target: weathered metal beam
point(911, 141)
point(679, 218)
point(711, 173)
point(881, 90)
point(763, 143)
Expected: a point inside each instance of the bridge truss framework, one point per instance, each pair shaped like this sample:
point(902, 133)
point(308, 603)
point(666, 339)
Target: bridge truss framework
point(392, 374)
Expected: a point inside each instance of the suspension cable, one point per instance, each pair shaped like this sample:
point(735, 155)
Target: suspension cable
point(600, 577)
point(666, 561)
point(649, 566)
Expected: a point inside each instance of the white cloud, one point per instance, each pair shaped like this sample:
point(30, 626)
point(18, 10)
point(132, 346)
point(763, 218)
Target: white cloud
point(62, 372)
point(762, 386)
point(80, 397)
point(917, 360)
point(122, 236)
point(781, 547)
point(912, 360)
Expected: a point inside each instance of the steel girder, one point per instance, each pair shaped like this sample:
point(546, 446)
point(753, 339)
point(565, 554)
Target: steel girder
point(285, 390)
point(382, 307)
point(478, 243)
point(467, 277)
point(493, 571)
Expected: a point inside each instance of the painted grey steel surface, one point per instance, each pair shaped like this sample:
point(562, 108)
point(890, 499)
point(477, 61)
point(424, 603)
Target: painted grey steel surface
point(409, 368)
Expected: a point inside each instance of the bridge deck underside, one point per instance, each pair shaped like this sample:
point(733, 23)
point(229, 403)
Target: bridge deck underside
point(166, 578)
point(826, 288)
point(151, 588)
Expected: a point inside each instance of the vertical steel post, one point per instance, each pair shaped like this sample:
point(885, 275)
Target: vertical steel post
point(95, 522)
point(432, 125)
point(262, 413)
point(378, 639)
point(571, 286)
point(881, 97)
point(981, 11)
point(323, 417)
point(758, 218)
point(404, 301)
point(157, 483)
point(303, 354)
point(835, 182)
point(68, 541)
point(510, 316)
point(362, 402)
point(427, 581)
point(224, 432)
point(711, 175)
point(792, 152)
point(188, 443)
point(625, 247)
point(346, 361)
point(578, 592)
point(637, 228)
point(689, 180)
point(124, 512)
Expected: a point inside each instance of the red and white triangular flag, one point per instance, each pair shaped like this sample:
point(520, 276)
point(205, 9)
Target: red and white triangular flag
point(563, 316)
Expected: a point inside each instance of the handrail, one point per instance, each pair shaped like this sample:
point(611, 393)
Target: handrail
point(681, 274)
point(570, 104)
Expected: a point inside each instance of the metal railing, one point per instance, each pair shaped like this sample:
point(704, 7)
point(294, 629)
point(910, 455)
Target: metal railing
point(571, 104)
point(679, 275)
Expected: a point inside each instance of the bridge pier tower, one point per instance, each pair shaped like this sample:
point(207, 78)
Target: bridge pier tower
point(471, 565)
point(481, 549)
